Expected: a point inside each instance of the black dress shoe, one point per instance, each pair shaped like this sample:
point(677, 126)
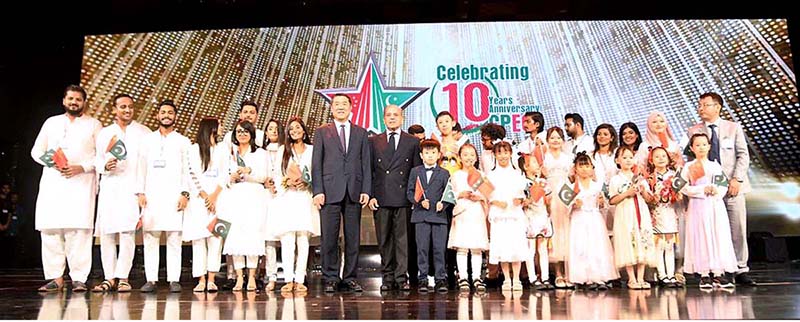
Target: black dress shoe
point(386, 287)
point(405, 287)
point(330, 287)
point(229, 284)
point(744, 279)
point(353, 286)
point(423, 288)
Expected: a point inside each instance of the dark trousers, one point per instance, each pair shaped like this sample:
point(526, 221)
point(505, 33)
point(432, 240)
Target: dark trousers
point(330, 218)
point(391, 230)
point(431, 236)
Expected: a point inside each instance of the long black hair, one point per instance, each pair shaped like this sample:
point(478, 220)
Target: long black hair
point(207, 128)
point(249, 127)
point(635, 129)
point(287, 146)
point(280, 133)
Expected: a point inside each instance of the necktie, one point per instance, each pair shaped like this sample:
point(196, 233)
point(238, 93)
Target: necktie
point(391, 144)
point(342, 139)
point(713, 155)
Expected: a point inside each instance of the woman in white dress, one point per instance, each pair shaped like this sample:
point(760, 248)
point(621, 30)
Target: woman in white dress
point(205, 188)
point(557, 167)
point(273, 140)
point(244, 203)
point(293, 216)
point(605, 145)
point(658, 134)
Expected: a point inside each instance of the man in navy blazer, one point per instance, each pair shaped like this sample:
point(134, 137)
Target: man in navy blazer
point(341, 183)
point(428, 216)
point(394, 153)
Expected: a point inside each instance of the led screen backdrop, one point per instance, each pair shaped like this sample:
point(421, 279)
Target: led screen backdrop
point(608, 71)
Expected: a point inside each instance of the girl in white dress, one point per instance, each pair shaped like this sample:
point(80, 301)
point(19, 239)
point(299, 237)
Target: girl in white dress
point(295, 219)
point(633, 230)
point(468, 233)
point(591, 257)
point(709, 247)
point(540, 228)
point(508, 245)
point(244, 203)
point(556, 168)
point(204, 169)
point(664, 204)
point(273, 140)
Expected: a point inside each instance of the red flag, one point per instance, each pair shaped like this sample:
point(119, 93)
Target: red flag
point(139, 223)
point(60, 159)
point(419, 193)
point(537, 191)
point(635, 170)
point(696, 171)
point(576, 187)
point(538, 152)
point(111, 143)
point(663, 138)
point(479, 183)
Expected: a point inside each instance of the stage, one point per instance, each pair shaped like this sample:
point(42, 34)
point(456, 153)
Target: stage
point(776, 297)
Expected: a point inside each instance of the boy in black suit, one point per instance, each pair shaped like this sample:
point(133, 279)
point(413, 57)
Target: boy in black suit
point(426, 184)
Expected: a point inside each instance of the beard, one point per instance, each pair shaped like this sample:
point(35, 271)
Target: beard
point(171, 123)
point(71, 112)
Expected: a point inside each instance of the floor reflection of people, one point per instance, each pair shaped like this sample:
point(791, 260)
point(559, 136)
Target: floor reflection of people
point(432, 307)
point(294, 307)
point(244, 309)
point(720, 304)
point(204, 307)
point(637, 308)
point(594, 306)
point(464, 311)
point(271, 306)
point(511, 309)
point(150, 306)
point(112, 306)
point(52, 307)
point(539, 306)
point(667, 304)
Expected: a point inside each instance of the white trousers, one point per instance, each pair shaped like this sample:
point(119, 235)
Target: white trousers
point(206, 255)
point(239, 261)
point(544, 262)
point(117, 266)
point(271, 261)
point(151, 255)
point(461, 263)
point(292, 271)
point(67, 246)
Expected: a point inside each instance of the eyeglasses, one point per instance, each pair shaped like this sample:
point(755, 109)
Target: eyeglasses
point(706, 105)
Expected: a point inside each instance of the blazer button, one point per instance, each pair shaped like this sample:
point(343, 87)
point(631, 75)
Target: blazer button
point(387, 171)
point(401, 172)
point(379, 160)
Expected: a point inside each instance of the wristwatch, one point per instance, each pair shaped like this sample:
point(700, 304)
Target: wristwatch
point(185, 194)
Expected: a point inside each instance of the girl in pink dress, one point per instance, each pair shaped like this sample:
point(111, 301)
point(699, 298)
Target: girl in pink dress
point(709, 247)
point(557, 167)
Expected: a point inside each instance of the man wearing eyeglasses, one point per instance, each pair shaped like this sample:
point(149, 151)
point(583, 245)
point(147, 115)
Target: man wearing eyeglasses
point(729, 149)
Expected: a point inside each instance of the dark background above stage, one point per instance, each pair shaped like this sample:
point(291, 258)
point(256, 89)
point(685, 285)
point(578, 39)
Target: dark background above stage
point(42, 46)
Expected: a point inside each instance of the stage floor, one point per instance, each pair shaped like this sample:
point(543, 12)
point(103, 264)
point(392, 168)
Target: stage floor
point(776, 297)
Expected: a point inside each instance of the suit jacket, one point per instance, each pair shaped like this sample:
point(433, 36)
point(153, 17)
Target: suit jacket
point(333, 171)
point(733, 154)
point(390, 174)
point(433, 192)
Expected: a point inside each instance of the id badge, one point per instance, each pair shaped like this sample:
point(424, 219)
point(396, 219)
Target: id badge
point(160, 164)
point(212, 173)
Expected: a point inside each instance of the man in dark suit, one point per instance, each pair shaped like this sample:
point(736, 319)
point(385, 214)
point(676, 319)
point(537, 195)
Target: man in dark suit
point(393, 153)
point(341, 182)
point(428, 216)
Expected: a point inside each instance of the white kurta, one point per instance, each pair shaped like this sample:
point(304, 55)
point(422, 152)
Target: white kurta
point(292, 210)
point(164, 174)
point(244, 205)
point(197, 217)
point(67, 203)
point(274, 159)
point(118, 206)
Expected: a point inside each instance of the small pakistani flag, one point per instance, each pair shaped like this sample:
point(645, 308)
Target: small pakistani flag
point(118, 150)
point(219, 227)
point(721, 180)
point(606, 193)
point(240, 161)
point(566, 194)
point(678, 182)
point(47, 158)
point(449, 196)
point(306, 175)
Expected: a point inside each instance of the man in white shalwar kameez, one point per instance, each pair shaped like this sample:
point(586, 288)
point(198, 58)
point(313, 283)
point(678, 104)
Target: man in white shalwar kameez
point(163, 195)
point(65, 204)
point(118, 207)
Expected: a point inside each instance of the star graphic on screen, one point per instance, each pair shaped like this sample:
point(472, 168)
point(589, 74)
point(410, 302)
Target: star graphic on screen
point(371, 96)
